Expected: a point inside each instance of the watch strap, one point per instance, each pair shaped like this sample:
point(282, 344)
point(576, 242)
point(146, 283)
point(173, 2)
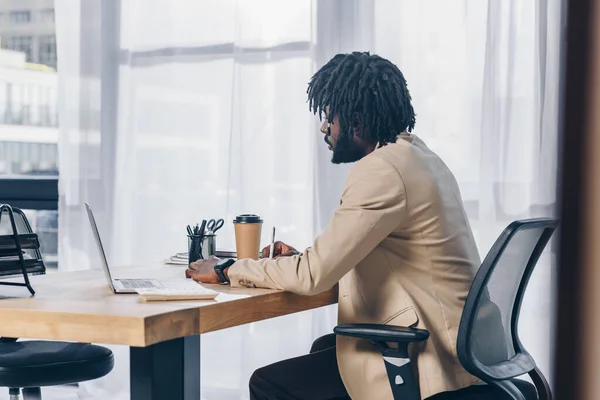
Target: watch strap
point(220, 268)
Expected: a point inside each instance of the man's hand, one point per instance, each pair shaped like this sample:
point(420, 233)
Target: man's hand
point(203, 271)
point(280, 250)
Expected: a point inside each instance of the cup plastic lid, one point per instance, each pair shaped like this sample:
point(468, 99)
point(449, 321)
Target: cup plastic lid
point(247, 219)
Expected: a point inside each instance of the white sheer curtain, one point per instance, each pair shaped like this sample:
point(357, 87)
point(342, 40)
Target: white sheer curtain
point(174, 111)
point(484, 80)
point(177, 111)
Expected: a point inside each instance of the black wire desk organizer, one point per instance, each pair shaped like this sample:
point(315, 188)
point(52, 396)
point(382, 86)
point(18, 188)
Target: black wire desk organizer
point(20, 251)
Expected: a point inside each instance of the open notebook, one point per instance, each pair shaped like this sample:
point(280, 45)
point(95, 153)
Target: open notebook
point(196, 292)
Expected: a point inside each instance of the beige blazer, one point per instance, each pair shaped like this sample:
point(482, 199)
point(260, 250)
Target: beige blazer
point(402, 250)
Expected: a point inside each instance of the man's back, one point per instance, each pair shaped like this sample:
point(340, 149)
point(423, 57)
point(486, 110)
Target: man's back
point(401, 248)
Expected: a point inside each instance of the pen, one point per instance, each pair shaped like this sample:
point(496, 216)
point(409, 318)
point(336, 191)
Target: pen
point(201, 231)
point(272, 244)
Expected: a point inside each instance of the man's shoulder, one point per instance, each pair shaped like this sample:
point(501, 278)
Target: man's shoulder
point(371, 166)
point(401, 152)
point(372, 176)
point(413, 158)
point(393, 158)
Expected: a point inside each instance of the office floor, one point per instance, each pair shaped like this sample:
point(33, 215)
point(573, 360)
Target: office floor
point(70, 393)
point(50, 393)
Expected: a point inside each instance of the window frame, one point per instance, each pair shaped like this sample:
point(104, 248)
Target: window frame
point(30, 192)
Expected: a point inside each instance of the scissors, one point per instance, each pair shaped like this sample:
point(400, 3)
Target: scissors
point(215, 224)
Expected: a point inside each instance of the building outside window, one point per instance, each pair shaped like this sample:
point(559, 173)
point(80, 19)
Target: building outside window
point(47, 15)
point(47, 50)
point(28, 116)
point(20, 43)
point(20, 17)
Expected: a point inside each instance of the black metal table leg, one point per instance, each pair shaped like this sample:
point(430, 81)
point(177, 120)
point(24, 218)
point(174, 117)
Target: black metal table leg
point(167, 370)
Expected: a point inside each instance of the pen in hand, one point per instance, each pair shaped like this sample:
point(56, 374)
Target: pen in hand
point(272, 244)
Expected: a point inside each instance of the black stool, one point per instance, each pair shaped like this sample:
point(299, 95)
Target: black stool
point(36, 363)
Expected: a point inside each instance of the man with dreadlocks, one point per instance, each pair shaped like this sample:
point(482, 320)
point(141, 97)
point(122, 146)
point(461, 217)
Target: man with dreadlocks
point(399, 246)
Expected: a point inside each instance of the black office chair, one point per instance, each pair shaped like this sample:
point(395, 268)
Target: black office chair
point(488, 342)
point(36, 363)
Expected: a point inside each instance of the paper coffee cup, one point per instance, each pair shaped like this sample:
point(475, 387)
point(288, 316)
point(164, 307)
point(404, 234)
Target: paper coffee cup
point(248, 228)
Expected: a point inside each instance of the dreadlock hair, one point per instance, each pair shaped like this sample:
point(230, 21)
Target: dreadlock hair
point(367, 84)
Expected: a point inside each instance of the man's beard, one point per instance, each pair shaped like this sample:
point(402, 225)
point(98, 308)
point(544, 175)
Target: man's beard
point(346, 150)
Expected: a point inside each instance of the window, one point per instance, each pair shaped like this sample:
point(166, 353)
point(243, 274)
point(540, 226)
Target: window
point(45, 224)
point(29, 104)
point(47, 50)
point(29, 124)
point(20, 43)
point(20, 17)
point(47, 15)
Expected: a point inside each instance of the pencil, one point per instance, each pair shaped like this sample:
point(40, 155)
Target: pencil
point(272, 244)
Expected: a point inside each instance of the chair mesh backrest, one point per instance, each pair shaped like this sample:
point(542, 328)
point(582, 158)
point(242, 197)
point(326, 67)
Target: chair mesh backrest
point(497, 291)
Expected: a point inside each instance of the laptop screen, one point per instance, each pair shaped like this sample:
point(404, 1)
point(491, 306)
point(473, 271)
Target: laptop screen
point(99, 244)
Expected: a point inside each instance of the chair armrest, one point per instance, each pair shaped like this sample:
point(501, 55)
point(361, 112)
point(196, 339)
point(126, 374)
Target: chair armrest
point(396, 359)
point(382, 333)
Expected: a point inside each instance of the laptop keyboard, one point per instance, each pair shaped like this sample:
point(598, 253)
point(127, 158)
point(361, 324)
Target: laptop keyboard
point(137, 283)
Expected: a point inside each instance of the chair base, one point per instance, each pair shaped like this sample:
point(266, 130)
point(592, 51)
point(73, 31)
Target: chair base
point(31, 393)
point(14, 393)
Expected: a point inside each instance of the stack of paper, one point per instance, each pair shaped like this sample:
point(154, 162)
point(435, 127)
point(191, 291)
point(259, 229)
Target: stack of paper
point(182, 258)
point(178, 259)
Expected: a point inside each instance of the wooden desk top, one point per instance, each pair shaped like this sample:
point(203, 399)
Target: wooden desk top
point(79, 306)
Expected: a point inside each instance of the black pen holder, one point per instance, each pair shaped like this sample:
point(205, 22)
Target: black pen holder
point(195, 248)
point(201, 247)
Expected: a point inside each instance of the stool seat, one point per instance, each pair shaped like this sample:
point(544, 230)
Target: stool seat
point(38, 363)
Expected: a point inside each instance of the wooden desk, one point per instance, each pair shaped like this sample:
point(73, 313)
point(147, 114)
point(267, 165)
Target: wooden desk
point(163, 336)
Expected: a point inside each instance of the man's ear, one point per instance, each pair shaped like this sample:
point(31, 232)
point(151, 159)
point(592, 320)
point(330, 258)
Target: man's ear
point(357, 125)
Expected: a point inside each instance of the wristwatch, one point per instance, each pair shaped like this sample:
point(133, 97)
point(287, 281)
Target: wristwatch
point(220, 267)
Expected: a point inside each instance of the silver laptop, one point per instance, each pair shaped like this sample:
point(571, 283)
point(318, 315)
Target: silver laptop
point(118, 285)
